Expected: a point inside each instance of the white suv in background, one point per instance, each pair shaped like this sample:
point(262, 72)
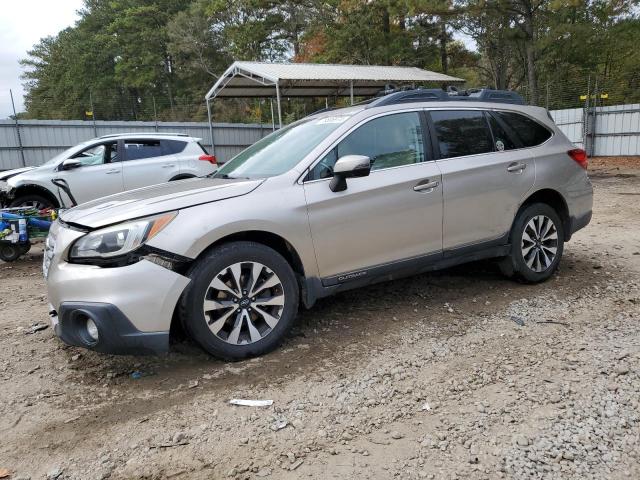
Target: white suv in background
point(107, 165)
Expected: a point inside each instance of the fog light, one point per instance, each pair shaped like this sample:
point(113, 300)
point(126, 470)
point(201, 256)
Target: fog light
point(92, 329)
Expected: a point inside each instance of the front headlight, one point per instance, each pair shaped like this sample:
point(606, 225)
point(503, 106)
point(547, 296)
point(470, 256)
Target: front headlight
point(119, 239)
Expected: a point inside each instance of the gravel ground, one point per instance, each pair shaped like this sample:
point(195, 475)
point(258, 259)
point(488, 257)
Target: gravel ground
point(458, 374)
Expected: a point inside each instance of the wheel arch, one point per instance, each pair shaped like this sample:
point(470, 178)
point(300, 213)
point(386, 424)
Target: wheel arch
point(268, 239)
point(34, 189)
point(555, 200)
point(182, 176)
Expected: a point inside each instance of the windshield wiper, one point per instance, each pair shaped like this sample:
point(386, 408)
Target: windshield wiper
point(226, 176)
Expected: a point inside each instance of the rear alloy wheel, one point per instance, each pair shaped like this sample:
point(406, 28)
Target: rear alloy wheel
point(242, 300)
point(537, 243)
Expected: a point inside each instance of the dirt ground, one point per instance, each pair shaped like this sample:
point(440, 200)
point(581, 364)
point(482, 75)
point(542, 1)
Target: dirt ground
point(458, 374)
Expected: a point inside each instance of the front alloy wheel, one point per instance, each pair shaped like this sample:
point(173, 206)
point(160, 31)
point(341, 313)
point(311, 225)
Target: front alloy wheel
point(244, 303)
point(242, 300)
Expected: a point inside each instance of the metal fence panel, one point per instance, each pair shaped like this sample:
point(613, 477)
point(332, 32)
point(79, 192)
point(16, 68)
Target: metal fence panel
point(43, 139)
point(617, 130)
point(571, 122)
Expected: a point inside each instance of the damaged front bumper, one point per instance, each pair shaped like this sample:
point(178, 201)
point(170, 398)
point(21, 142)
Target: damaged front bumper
point(131, 306)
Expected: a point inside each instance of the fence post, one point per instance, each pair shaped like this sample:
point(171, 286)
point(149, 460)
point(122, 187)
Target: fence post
point(15, 117)
point(585, 118)
point(547, 95)
point(155, 114)
point(93, 115)
point(595, 115)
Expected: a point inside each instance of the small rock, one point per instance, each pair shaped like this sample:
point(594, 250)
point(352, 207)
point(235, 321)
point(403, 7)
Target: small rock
point(55, 473)
point(621, 370)
point(178, 437)
point(296, 465)
point(396, 435)
point(522, 441)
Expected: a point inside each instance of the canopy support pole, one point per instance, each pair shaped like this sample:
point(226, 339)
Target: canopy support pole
point(273, 118)
point(351, 90)
point(279, 106)
point(213, 146)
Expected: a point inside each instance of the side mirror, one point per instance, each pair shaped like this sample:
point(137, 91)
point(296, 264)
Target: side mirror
point(349, 166)
point(71, 163)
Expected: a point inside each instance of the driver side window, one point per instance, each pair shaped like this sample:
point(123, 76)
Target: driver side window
point(98, 154)
point(389, 141)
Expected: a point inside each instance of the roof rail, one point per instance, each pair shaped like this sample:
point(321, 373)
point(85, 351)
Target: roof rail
point(438, 95)
point(168, 134)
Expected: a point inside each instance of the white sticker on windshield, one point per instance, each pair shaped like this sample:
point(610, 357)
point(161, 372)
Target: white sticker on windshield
point(335, 119)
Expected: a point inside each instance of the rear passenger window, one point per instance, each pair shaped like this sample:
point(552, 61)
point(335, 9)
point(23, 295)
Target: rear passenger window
point(529, 132)
point(461, 132)
point(501, 140)
point(141, 149)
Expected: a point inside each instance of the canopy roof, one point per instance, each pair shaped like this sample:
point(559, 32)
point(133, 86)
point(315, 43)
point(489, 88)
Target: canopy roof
point(259, 79)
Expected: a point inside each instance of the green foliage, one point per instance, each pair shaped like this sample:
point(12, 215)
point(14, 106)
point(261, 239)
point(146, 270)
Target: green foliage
point(144, 59)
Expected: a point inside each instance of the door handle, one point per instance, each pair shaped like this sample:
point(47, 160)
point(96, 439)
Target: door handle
point(171, 165)
point(426, 187)
point(110, 172)
point(516, 167)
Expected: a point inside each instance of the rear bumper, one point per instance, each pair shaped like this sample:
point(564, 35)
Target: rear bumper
point(580, 222)
point(116, 333)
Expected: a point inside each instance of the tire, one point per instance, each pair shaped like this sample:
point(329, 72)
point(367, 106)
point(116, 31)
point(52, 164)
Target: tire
point(536, 258)
point(229, 322)
point(9, 252)
point(32, 200)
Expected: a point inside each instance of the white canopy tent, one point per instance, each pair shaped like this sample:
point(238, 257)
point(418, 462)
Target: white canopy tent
point(275, 80)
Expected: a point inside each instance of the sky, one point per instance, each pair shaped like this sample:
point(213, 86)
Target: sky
point(22, 24)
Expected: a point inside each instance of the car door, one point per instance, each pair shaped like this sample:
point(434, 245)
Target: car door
point(485, 176)
point(146, 162)
point(99, 173)
point(393, 214)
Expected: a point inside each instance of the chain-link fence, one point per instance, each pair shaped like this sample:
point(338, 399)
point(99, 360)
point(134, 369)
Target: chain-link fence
point(585, 90)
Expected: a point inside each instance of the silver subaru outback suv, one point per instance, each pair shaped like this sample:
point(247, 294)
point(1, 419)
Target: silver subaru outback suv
point(407, 183)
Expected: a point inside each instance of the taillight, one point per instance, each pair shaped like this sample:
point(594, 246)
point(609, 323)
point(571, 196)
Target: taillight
point(208, 158)
point(579, 156)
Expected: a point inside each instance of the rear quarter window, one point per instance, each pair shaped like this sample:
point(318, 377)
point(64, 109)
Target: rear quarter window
point(528, 131)
point(171, 147)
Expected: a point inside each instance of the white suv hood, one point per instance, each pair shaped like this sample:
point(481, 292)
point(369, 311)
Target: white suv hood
point(156, 199)
point(7, 174)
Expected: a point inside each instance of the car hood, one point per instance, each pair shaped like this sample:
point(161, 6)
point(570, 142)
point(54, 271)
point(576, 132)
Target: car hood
point(7, 174)
point(156, 199)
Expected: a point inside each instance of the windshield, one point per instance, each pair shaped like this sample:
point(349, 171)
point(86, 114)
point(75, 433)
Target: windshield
point(280, 151)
